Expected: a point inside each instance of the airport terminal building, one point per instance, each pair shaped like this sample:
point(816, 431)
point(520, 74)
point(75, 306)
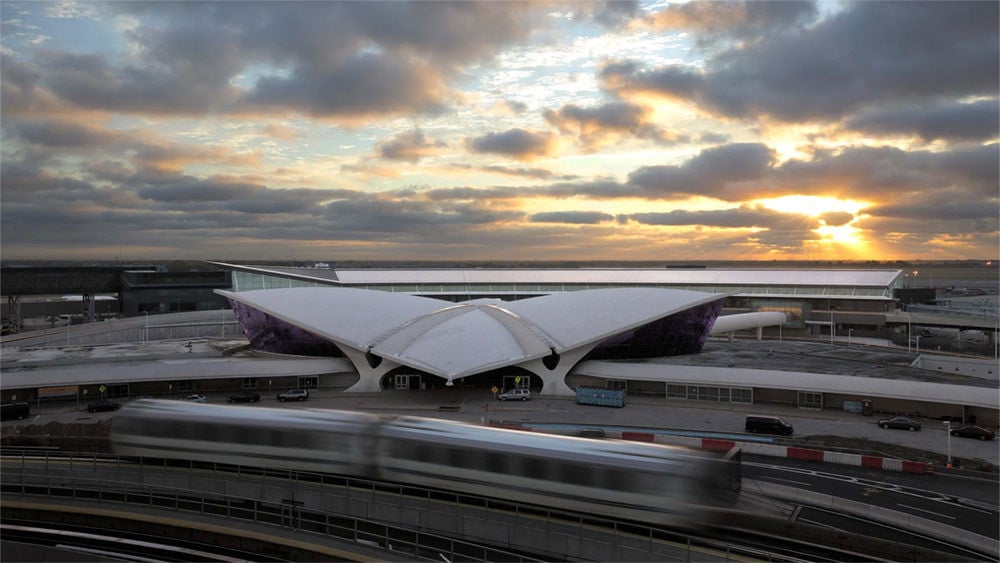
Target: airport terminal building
point(811, 300)
point(548, 329)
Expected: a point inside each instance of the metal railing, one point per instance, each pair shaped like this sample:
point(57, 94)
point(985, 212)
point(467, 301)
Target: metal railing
point(285, 515)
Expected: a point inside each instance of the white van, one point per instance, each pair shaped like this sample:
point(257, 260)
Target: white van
point(516, 394)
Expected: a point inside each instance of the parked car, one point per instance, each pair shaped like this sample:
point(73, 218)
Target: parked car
point(243, 397)
point(11, 411)
point(973, 431)
point(294, 395)
point(517, 394)
point(767, 425)
point(900, 423)
point(103, 406)
point(195, 398)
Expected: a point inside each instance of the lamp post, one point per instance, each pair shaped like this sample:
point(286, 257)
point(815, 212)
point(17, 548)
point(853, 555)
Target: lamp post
point(833, 327)
point(909, 329)
point(947, 425)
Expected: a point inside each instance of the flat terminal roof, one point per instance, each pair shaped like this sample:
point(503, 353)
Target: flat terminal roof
point(762, 277)
point(800, 381)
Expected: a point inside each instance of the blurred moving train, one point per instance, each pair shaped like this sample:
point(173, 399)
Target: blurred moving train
point(638, 481)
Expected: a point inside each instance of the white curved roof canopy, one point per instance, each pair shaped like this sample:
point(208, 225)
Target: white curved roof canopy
point(456, 340)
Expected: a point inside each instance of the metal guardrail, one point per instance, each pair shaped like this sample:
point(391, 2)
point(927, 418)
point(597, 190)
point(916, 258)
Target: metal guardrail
point(289, 516)
point(57, 476)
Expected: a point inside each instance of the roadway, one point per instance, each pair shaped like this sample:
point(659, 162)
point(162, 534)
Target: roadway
point(948, 501)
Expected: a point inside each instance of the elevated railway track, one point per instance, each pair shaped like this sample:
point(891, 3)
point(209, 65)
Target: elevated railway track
point(358, 519)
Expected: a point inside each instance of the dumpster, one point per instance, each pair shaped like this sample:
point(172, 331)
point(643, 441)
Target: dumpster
point(600, 396)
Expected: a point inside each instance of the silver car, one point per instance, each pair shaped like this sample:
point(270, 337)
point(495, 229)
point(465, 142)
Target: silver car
point(517, 394)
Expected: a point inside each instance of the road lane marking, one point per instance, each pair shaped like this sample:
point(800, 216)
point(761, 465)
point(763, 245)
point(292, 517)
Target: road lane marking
point(927, 511)
point(769, 478)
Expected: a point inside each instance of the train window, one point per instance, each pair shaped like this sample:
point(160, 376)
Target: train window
point(456, 457)
point(425, 454)
point(406, 450)
point(300, 440)
point(478, 460)
point(582, 475)
point(653, 483)
point(231, 433)
point(496, 462)
point(571, 473)
point(533, 468)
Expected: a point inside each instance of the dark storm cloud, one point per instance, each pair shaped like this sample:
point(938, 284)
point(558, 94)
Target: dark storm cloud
point(196, 195)
point(409, 146)
point(338, 59)
point(596, 189)
point(56, 138)
point(707, 174)
point(374, 215)
point(24, 181)
point(362, 86)
point(871, 53)
point(951, 121)
point(947, 205)
point(515, 143)
point(599, 125)
point(91, 81)
point(884, 172)
point(572, 217)
point(19, 88)
point(945, 214)
point(741, 217)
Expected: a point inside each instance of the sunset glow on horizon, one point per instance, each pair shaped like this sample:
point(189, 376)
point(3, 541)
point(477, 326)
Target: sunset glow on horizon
point(652, 130)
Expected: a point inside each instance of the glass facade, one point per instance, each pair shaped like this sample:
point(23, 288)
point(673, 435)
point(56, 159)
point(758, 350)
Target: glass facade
point(269, 334)
point(710, 393)
point(680, 333)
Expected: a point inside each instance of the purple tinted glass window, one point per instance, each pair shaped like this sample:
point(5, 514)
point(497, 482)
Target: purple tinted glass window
point(681, 333)
point(269, 334)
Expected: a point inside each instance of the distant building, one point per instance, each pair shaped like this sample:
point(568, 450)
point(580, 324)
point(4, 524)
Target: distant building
point(815, 302)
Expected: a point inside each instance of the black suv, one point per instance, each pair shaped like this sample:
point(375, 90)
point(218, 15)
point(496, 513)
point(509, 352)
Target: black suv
point(243, 397)
point(103, 406)
point(767, 425)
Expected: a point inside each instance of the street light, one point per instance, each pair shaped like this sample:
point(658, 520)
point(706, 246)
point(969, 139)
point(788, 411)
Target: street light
point(833, 327)
point(948, 430)
point(909, 331)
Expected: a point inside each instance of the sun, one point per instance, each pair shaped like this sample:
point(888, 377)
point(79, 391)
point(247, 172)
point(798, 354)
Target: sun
point(812, 205)
point(842, 235)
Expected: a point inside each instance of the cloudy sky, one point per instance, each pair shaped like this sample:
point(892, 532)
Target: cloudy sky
point(499, 130)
